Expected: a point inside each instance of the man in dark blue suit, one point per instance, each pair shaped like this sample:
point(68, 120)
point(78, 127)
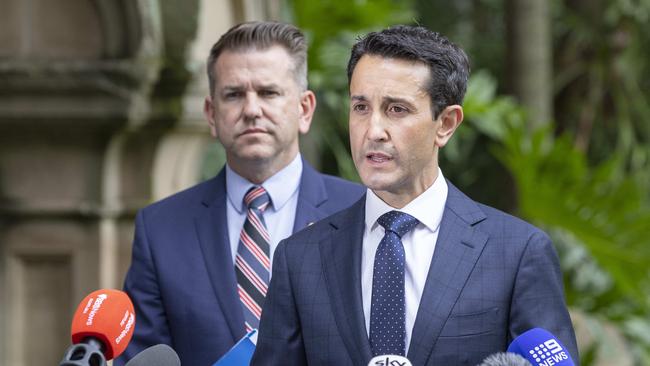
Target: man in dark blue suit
point(414, 268)
point(201, 258)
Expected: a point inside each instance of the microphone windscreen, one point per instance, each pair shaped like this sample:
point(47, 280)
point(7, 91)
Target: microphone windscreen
point(505, 359)
point(158, 355)
point(389, 360)
point(541, 348)
point(108, 316)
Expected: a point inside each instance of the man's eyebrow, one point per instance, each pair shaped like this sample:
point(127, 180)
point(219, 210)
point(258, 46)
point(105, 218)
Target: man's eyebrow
point(389, 99)
point(229, 88)
point(268, 86)
point(385, 100)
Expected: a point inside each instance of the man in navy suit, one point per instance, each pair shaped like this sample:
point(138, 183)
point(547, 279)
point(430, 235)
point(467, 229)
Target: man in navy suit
point(192, 251)
point(415, 267)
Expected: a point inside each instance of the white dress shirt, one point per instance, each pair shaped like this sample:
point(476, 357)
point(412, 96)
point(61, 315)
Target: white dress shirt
point(279, 217)
point(419, 245)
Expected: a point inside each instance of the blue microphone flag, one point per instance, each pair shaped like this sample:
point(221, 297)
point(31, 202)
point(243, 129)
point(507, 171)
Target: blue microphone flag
point(241, 353)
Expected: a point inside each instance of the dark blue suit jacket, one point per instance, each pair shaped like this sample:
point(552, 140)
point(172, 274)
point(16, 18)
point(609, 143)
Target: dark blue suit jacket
point(492, 277)
point(182, 279)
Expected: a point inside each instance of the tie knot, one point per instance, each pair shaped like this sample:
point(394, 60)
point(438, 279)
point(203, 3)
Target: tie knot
point(398, 222)
point(257, 198)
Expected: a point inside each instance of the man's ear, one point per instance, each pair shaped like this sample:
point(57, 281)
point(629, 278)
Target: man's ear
point(208, 111)
point(307, 108)
point(450, 118)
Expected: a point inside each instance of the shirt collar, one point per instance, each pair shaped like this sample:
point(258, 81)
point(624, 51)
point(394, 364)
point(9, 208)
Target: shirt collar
point(280, 186)
point(428, 207)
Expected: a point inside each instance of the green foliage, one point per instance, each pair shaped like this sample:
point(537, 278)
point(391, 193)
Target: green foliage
point(477, 25)
point(603, 78)
point(467, 160)
point(214, 158)
point(331, 85)
point(327, 19)
point(600, 206)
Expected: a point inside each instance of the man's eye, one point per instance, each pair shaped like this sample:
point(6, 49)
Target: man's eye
point(360, 107)
point(232, 95)
point(397, 109)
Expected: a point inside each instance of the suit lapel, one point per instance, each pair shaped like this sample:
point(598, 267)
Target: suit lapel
point(341, 255)
point(312, 194)
point(458, 248)
point(212, 231)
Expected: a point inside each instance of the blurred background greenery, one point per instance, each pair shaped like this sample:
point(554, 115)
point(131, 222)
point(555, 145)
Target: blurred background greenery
point(576, 166)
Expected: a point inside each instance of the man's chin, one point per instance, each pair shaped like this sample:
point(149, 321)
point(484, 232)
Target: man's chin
point(377, 183)
point(257, 158)
point(256, 153)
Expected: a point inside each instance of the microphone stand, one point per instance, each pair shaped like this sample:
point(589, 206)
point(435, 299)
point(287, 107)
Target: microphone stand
point(87, 353)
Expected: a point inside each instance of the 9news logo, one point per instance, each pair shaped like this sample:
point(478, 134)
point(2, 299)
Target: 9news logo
point(548, 353)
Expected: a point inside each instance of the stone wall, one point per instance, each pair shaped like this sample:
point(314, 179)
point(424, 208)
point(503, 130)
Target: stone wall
point(100, 114)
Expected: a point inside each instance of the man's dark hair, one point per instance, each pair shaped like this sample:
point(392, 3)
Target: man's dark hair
point(262, 36)
point(448, 63)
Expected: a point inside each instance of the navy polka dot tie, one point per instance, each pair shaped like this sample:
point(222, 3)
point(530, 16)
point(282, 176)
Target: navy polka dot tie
point(387, 314)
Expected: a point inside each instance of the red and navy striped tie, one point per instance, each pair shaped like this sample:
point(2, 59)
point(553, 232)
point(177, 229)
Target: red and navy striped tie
point(252, 263)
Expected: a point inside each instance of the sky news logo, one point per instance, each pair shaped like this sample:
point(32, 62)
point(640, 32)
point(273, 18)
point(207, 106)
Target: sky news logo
point(548, 353)
point(390, 360)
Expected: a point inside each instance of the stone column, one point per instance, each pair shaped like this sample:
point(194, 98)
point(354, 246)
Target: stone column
point(73, 73)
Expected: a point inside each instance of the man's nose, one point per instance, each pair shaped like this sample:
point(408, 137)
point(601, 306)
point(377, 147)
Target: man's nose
point(252, 106)
point(377, 128)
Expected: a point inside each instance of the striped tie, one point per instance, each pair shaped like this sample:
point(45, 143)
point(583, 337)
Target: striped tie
point(252, 263)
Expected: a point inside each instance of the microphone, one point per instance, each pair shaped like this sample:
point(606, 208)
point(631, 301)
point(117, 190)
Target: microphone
point(389, 360)
point(541, 348)
point(158, 355)
point(505, 359)
point(101, 328)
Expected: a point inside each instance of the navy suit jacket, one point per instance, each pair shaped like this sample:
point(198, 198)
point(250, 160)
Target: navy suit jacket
point(182, 278)
point(492, 277)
